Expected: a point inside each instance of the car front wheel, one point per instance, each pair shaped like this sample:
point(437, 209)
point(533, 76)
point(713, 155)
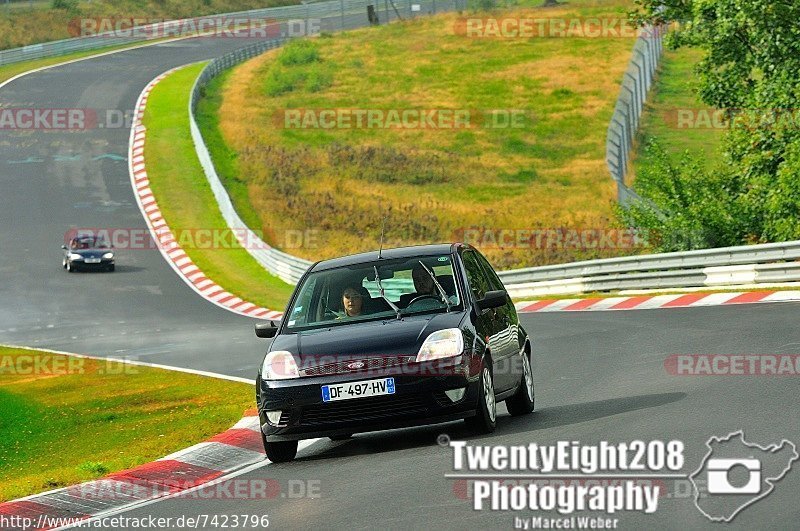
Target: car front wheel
point(522, 402)
point(279, 452)
point(485, 420)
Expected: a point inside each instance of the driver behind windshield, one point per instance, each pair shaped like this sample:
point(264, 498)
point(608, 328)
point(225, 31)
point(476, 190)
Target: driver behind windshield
point(423, 284)
point(352, 302)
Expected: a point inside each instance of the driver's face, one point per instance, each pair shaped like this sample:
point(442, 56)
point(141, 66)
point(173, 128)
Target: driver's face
point(423, 282)
point(352, 302)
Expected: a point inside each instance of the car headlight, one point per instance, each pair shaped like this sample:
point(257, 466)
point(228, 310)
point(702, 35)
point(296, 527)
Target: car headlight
point(442, 344)
point(108, 255)
point(279, 365)
point(75, 256)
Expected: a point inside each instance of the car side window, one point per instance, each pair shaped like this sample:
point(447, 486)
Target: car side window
point(475, 274)
point(495, 284)
point(304, 301)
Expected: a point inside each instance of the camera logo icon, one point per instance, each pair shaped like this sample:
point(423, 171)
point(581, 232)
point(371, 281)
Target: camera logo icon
point(735, 474)
point(719, 472)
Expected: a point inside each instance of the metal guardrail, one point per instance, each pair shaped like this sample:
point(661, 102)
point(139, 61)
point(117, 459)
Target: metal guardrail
point(335, 15)
point(727, 266)
point(636, 83)
point(331, 16)
point(285, 266)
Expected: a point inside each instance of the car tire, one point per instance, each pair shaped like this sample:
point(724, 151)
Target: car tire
point(343, 437)
point(522, 402)
point(485, 419)
point(279, 452)
point(110, 268)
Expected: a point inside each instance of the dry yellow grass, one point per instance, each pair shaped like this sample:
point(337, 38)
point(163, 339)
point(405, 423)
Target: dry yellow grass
point(550, 173)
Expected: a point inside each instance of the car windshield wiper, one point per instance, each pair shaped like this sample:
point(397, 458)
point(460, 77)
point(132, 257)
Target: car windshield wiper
point(380, 288)
point(439, 288)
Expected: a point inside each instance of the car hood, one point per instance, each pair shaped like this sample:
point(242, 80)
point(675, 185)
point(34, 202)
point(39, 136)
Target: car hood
point(91, 253)
point(384, 338)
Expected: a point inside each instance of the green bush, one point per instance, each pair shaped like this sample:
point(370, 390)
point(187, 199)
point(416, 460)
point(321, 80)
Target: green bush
point(688, 207)
point(751, 68)
point(482, 5)
point(782, 203)
point(318, 79)
point(298, 66)
point(299, 52)
point(281, 80)
point(69, 5)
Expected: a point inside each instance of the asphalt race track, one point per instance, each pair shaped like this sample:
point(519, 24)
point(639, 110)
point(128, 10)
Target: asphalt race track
point(599, 376)
point(54, 180)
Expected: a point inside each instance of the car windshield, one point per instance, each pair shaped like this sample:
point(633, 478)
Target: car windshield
point(353, 294)
point(90, 243)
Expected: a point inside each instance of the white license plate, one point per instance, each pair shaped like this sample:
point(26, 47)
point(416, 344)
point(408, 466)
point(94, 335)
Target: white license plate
point(92, 260)
point(346, 391)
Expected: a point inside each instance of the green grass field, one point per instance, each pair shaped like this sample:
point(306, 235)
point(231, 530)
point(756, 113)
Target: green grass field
point(429, 184)
point(186, 200)
point(675, 95)
point(82, 419)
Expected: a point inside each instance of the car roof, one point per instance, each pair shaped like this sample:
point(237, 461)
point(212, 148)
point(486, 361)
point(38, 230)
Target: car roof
point(389, 254)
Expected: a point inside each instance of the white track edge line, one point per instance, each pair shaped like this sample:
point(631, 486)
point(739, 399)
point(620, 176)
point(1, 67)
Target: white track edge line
point(196, 372)
point(101, 54)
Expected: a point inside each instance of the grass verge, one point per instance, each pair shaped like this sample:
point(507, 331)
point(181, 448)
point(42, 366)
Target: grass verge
point(674, 116)
point(225, 159)
point(66, 420)
point(185, 197)
point(429, 184)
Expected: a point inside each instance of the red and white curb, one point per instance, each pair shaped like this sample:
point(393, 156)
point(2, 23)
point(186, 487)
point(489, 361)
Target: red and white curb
point(653, 302)
point(174, 475)
point(175, 256)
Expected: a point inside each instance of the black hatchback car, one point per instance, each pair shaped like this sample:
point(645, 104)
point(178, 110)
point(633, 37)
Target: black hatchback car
point(389, 339)
point(88, 252)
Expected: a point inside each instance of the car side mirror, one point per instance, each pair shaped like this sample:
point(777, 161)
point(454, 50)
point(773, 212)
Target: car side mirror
point(493, 299)
point(64, 247)
point(266, 330)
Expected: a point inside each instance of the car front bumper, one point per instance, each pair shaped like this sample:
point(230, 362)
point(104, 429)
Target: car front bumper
point(104, 263)
point(419, 399)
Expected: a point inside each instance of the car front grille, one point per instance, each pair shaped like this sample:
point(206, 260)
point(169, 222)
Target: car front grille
point(370, 364)
point(374, 408)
